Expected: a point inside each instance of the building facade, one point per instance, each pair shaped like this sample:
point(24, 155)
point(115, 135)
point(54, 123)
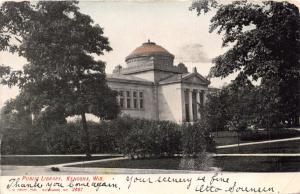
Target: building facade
point(152, 87)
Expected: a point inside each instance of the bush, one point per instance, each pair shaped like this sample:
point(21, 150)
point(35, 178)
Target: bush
point(196, 139)
point(152, 139)
point(22, 141)
point(196, 143)
point(63, 139)
point(138, 138)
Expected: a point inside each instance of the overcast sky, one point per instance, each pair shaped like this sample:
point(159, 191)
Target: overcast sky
point(129, 24)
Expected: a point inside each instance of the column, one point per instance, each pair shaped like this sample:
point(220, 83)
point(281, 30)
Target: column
point(198, 103)
point(191, 105)
point(183, 118)
point(205, 92)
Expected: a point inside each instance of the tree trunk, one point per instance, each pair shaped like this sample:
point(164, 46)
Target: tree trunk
point(86, 136)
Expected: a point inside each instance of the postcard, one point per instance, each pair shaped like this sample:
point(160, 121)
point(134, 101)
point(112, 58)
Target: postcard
point(154, 96)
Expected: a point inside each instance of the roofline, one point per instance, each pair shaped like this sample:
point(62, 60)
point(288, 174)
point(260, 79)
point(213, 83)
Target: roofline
point(185, 77)
point(149, 69)
point(180, 81)
point(131, 56)
point(120, 80)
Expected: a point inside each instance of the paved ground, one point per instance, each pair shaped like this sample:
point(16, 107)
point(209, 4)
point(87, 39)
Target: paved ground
point(263, 154)
point(87, 162)
point(60, 155)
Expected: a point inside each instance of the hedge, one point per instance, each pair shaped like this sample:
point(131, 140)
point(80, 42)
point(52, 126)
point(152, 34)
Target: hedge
point(137, 138)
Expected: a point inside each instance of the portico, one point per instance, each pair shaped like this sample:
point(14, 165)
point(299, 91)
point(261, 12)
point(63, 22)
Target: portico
point(193, 100)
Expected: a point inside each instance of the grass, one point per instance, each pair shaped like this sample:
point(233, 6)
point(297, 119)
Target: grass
point(43, 161)
point(231, 137)
point(275, 147)
point(237, 164)
point(226, 163)
point(258, 163)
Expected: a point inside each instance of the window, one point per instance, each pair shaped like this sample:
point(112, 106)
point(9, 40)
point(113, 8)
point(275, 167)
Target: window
point(141, 103)
point(128, 103)
point(134, 103)
point(134, 95)
point(141, 98)
point(130, 99)
point(121, 99)
point(122, 102)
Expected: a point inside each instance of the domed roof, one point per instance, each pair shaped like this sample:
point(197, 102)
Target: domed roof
point(148, 48)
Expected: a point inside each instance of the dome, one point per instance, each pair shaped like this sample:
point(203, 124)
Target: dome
point(149, 49)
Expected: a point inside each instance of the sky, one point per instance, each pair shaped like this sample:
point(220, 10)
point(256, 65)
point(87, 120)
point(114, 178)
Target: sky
point(128, 24)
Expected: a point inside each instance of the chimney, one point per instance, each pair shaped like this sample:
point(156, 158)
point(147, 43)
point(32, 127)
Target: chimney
point(194, 70)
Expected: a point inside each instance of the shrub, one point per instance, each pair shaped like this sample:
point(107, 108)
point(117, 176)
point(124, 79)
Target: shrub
point(22, 141)
point(152, 139)
point(196, 139)
point(196, 143)
point(63, 139)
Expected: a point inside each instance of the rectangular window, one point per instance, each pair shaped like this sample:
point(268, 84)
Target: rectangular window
point(135, 100)
point(135, 103)
point(121, 93)
point(141, 103)
point(128, 103)
point(141, 94)
point(134, 94)
point(122, 102)
point(128, 94)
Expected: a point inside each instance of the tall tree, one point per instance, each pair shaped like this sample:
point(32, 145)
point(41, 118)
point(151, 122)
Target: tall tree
point(61, 76)
point(232, 107)
point(264, 44)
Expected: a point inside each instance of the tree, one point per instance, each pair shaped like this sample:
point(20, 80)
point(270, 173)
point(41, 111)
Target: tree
point(233, 107)
point(264, 41)
point(61, 76)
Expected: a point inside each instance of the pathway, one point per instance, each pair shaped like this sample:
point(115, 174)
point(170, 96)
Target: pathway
point(263, 154)
point(60, 155)
point(86, 162)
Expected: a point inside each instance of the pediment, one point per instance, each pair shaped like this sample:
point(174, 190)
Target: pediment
point(195, 79)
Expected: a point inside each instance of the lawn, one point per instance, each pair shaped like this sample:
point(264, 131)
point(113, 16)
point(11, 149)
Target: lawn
point(258, 163)
point(236, 164)
point(45, 160)
point(233, 137)
point(276, 147)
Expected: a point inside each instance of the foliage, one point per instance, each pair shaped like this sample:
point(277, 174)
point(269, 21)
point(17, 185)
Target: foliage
point(264, 45)
point(233, 107)
point(196, 139)
point(61, 77)
point(138, 138)
point(152, 139)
